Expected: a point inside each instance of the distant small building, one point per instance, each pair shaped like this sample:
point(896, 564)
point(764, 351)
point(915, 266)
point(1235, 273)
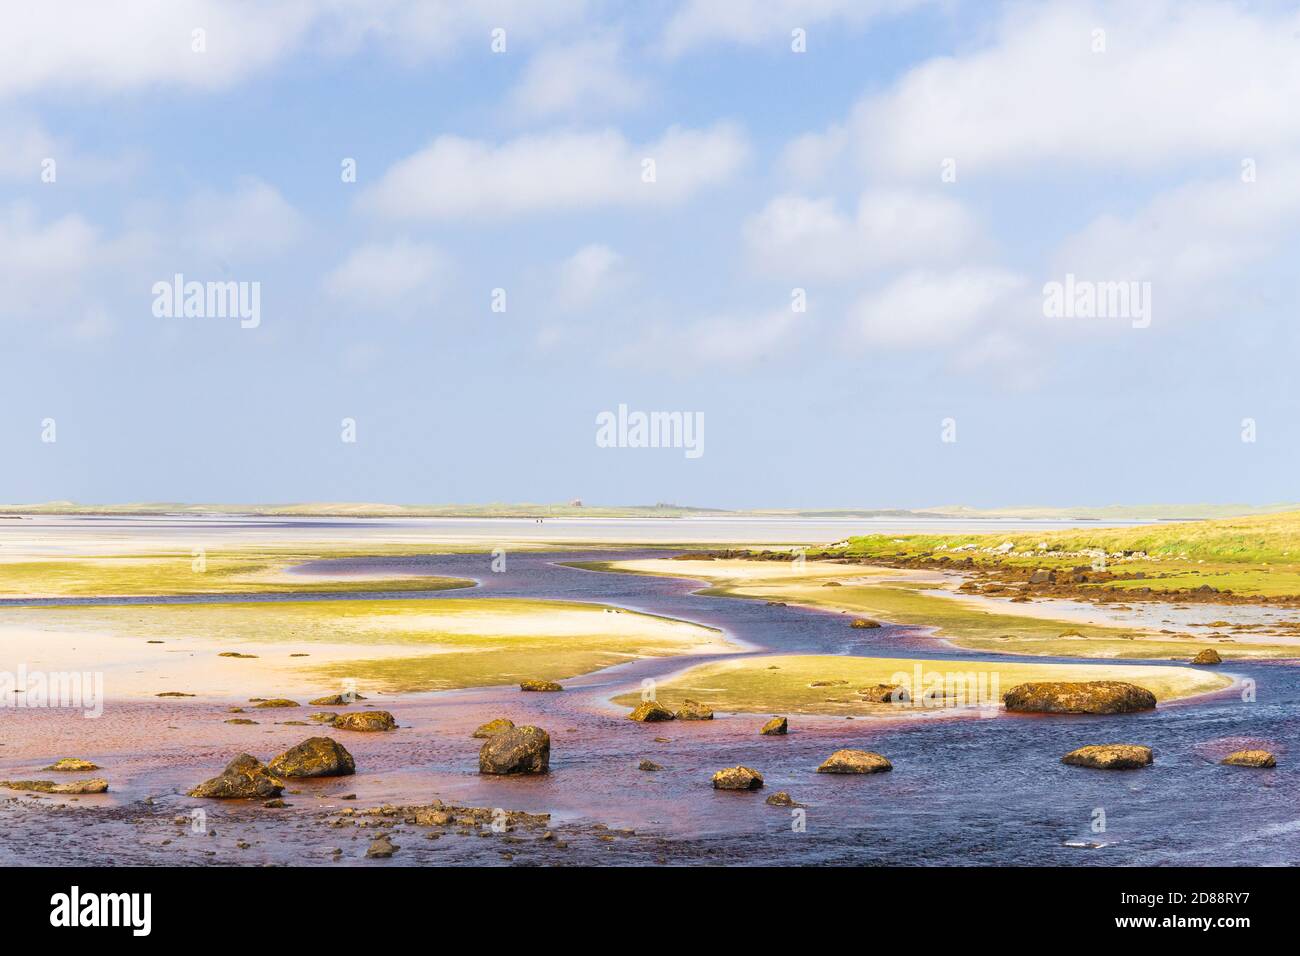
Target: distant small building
point(575, 503)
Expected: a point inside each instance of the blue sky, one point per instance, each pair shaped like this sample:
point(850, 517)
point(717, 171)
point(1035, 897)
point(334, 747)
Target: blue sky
point(1116, 156)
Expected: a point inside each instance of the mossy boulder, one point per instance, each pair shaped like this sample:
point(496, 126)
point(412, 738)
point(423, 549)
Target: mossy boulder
point(245, 778)
point(72, 765)
point(365, 720)
point(649, 711)
point(1207, 656)
point(520, 750)
point(275, 702)
point(855, 761)
point(737, 778)
point(1260, 759)
point(648, 765)
point(885, 694)
point(382, 847)
point(780, 799)
point(543, 686)
point(97, 785)
point(1079, 697)
point(493, 727)
point(314, 757)
point(862, 623)
point(335, 700)
point(693, 710)
point(776, 727)
point(1110, 757)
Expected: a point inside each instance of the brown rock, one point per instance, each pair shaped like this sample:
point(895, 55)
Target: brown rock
point(276, 702)
point(776, 727)
point(1109, 756)
point(650, 711)
point(885, 694)
point(781, 799)
point(737, 778)
point(519, 750)
point(1079, 697)
point(545, 686)
point(1260, 759)
point(244, 778)
point(335, 700)
point(365, 720)
point(493, 727)
point(862, 622)
point(855, 761)
point(648, 765)
point(382, 847)
point(1208, 656)
point(97, 785)
point(70, 764)
point(314, 757)
point(693, 710)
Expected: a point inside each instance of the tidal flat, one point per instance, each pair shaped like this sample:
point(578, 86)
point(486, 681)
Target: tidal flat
point(353, 611)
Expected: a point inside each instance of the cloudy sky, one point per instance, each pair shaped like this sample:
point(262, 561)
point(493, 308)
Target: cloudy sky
point(919, 170)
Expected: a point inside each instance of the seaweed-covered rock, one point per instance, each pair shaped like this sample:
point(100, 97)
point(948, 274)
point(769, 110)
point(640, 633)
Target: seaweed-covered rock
point(1260, 759)
point(885, 694)
point(1110, 756)
point(855, 761)
point(780, 799)
point(335, 700)
point(382, 847)
point(648, 711)
point(648, 765)
point(737, 778)
point(275, 702)
point(97, 785)
point(776, 727)
point(244, 778)
point(1079, 697)
point(524, 749)
point(693, 710)
point(493, 727)
point(861, 623)
point(364, 720)
point(314, 757)
point(1208, 656)
point(72, 764)
point(544, 686)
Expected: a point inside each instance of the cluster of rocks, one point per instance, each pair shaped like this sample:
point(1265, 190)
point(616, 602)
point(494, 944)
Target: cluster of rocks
point(651, 711)
point(247, 778)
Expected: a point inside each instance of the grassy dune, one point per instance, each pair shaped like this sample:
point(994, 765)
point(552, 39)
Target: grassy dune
point(1249, 555)
point(781, 685)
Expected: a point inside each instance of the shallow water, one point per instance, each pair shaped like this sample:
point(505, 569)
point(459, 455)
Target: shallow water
point(963, 791)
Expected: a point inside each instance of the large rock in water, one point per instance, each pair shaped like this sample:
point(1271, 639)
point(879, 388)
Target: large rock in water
point(649, 710)
point(244, 778)
point(694, 710)
point(1260, 759)
point(1109, 757)
point(365, 720)
point(776, 727)
point(493, 727)
point(855, 761)
point(1208, 656)
point(72, 764)
point(861, 622)
point(737, 778)
point(544, 686)
point(1079, 697)
point(520, 750)
point(314, 757)
point(98, 785)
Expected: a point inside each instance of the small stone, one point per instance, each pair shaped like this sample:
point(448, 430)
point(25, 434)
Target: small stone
point(781, 799)
point(275, 804)
point(862, 622)
point(236, 654)
point(276, 702)
point(382, 847)
point(239, 720)
point(885, 694)
point(648, 765)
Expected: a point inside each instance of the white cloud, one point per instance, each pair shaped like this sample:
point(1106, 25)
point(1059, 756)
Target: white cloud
point(400, 273)
point(80, 45)
point(1176, 82)
point(456, 178)
point(585, 78)
point(798, 236)
point(932, 309)
point(723, 340)
point(588, 275)
point(698, 22)
point(252, 220)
